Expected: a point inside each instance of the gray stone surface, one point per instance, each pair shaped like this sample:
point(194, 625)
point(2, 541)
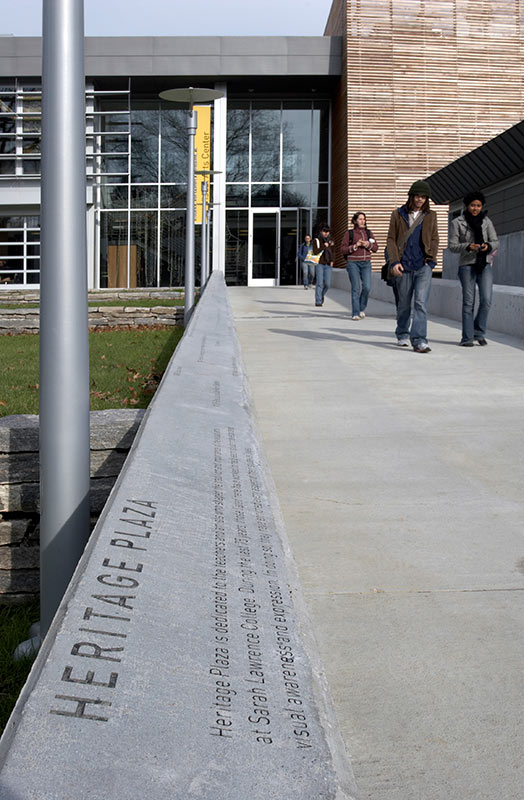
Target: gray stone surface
point(15, 583)
point(181, 663)
point(19, 433)
point(26, 496)
point(12, 531)
point(16, 557)
point(400, 481)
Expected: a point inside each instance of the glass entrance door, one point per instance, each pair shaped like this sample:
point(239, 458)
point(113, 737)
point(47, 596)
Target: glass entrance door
point(264, 248)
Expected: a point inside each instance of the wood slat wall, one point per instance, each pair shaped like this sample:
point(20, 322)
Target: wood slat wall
point(426, 82)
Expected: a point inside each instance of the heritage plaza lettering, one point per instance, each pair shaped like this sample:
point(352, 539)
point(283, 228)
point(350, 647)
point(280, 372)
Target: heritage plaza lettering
point(255, 681)
point(138, 519)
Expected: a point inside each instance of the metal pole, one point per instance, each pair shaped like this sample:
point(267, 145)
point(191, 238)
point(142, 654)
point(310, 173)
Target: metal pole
point(208, 243)
point(189, 280)
point(203, 266)
point(64, 344)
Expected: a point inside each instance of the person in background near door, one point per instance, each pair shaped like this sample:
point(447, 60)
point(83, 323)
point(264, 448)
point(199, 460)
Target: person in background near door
point(412, 246)
point(323, 245)
point(357, 244)
point(308, 268)
point(473, 236)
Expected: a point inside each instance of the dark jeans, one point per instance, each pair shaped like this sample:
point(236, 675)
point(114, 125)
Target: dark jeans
point(360, 278)
point(323, 276)
point(413, 286)
point(470, 278)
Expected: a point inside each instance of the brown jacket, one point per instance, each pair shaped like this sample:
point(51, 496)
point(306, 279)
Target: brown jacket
point(398, 227)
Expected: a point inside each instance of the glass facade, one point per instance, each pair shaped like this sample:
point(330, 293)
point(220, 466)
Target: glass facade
point(140, 148)
point(20, 128)
point(19, 249)
point(277, 158)
point(276, 174)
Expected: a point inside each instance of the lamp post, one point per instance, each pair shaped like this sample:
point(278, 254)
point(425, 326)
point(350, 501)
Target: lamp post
point(204, 266)
point(189, 97)
point(64, 346)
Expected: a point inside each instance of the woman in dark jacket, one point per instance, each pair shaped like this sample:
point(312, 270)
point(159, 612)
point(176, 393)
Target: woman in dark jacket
point(323, 245)
point(473, 236)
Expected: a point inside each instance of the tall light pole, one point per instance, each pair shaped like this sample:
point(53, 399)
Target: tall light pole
point(64, 343)
point(190, 96)
point(204, 266)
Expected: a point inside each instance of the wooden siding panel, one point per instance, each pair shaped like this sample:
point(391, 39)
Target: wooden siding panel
point(425, 85)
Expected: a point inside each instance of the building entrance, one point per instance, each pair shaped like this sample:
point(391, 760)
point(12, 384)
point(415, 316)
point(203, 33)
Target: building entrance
point(272, 247)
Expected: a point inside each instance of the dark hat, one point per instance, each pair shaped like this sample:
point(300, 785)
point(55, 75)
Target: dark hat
point(475, 195)
point(421, 188)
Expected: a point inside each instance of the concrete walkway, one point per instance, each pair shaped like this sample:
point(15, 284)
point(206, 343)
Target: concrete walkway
point(400, 478)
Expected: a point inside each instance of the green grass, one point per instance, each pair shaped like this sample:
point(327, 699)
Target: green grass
point(14, 627)
point(125, 368)
point(147, 302)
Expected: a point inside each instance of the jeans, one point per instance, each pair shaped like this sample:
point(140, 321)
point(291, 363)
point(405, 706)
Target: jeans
point(308, 273)
point(360, 278)
point(323, 276)
point(469, 278)
point(414, 286)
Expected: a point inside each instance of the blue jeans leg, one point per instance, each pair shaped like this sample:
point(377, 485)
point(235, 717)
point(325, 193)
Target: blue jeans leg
point(305, 273)
point(413, 286)
point(323, 275)
point(485, 284)
point(405, 293)
point(365, 274)
point(359, 273)
point(467, 279)
point(419, 324)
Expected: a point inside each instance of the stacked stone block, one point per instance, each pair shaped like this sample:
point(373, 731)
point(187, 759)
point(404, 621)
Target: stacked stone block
point(112, 434)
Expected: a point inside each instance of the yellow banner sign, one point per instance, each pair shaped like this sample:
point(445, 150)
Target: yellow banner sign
point(202, 156)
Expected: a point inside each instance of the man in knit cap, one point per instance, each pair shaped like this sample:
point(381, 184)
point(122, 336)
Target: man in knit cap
point(412, 245)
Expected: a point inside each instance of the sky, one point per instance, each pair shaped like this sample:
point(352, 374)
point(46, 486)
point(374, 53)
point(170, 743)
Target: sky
point(179, 17)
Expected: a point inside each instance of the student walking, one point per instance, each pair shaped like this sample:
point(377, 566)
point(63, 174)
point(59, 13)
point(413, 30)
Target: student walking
point(308, 267)
point(323, 245)
point(473, 235)
point(357, 244)
point(412, 245)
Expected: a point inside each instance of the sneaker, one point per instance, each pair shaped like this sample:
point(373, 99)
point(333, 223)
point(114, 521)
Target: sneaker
point(403, 342)
point(306, 287)
point(482, 342)
point(422, 347)
point(466, 344)
point(362, 315)
point(356, 317)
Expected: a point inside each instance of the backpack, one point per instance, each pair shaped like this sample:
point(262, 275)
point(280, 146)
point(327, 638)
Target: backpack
point(351, 232)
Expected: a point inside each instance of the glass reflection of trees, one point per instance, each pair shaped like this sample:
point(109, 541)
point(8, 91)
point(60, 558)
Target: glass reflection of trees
point(286, 142)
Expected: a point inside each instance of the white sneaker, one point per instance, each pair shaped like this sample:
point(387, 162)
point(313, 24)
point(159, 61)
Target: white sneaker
point(356, 317)
point(403, 342)
point(362, 315)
